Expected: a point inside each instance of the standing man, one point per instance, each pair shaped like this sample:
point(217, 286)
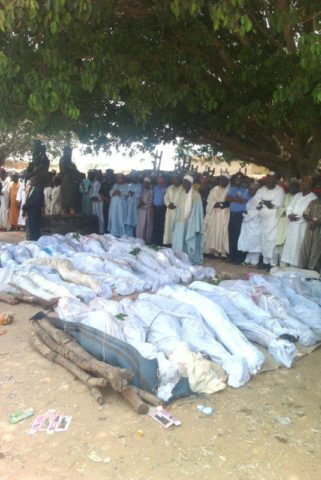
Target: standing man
point(4, 199)
point(217, 219)
point(237, 195)
point(204, 190)
point(159, 210)
point(250, 236)
point(294, 187)
point(117, 207)
point(14, 207)
point(32, 210)
point(188, 229)
point(21, 200)
point(37, 173)
point(297, 224)
point(134, 194)
point(269, 199)
point(171, 198)
point(310, 256)
point(84, 189)
point(70, 183)
point(97, 201)
point(144, 227)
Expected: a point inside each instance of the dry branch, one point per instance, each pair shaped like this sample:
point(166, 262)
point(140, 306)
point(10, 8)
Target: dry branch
point(8, 298)
point(54, 357)
point(117, 377)
point(57, 346)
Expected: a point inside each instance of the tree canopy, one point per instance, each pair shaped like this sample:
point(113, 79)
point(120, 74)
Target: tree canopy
point(238, 76)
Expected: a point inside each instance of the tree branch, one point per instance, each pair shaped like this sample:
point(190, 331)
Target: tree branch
point(287, 28)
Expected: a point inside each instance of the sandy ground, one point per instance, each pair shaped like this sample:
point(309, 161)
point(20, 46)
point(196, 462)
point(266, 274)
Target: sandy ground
point(245, 439)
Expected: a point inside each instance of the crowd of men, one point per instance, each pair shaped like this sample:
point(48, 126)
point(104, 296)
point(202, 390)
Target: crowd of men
point(264, 224)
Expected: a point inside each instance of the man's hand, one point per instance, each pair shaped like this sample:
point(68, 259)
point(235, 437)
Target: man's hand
point(141, 204)
point(116, 193)
point(293, 218)
point(95, 199)
point(268, 204)
point(130, 194)
point(218, 205)
point(171, 206)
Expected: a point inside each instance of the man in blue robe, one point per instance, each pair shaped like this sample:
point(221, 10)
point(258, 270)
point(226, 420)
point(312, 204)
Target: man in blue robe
point(117, 207)
point(188, 228)
point(134, 193)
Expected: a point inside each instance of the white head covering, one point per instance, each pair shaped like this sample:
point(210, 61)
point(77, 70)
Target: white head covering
point(189, 178)
point(226, 175)
point(271, 174)
point(147, 179)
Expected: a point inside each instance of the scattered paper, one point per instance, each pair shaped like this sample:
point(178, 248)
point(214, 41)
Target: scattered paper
point(50, 422)
point(164, 417)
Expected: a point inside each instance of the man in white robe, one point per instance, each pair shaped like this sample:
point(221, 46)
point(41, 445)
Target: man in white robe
point(56, 207)
point(296, 223)
point(188, 228)
point(216, 240)
point(269, 199)
point(21, 199)
point(250, 237)
point(117, 207)
point(97, 201)
point(294, 187)
point(171, 198)
point(4, 200)
point(134, 193)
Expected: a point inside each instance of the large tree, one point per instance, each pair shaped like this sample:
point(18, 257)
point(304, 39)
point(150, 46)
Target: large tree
point(238, 76)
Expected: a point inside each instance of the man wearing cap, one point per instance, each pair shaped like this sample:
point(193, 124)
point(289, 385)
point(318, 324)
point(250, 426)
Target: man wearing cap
point(144, 228)
point(269, 199)
point(188, 228)
point(217, 219)
point(171, 198)
point(250, 237)
point(293, 189)
point(297, 224)
point(237, 195)
point(133, 196)
point(117, 207)
point(97, 200)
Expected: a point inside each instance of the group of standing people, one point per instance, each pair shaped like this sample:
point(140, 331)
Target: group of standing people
point(264, 224)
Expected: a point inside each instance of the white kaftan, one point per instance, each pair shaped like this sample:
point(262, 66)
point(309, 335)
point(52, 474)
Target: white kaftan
point(269, 220)
point(296, 230)
point(21, 198)
point(4, 203)
point(171, 196)
point(250, 236)
point(47, 193)
point(97, 205)
point(55, 207)
point(216, 223)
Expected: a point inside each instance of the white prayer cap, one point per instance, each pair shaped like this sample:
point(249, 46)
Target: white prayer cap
point(189, 178)
point(147, 179)
point(271, 174)
point(226, 175)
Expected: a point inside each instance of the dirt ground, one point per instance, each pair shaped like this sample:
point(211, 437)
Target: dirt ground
point(245, 439)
